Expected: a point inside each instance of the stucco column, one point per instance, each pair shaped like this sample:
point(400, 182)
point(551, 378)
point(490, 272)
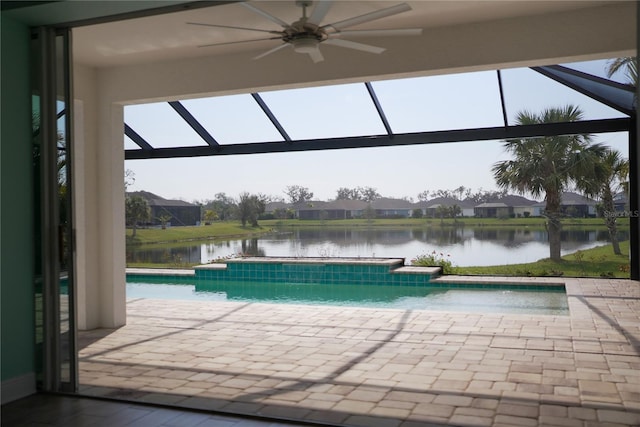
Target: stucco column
point(110, 221)
point(98, 160)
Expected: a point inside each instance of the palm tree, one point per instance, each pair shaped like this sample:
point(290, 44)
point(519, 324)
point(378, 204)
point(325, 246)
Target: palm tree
point(626, 64)
point(548, 165)
point(611, 175)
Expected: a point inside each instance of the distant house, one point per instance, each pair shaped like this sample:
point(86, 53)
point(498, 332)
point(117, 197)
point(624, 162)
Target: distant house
point(577, 206)
point(431, 208)
point(573, 205)
point(493, 210)
point(525, 211)
point(175, 212)
point(351, 208)
point(392, 208)
point(280, 210)
point(337, 209)
point(509, 206)
point(522, 207)
point(274, 206)
point(621, 202)
point(346, 209)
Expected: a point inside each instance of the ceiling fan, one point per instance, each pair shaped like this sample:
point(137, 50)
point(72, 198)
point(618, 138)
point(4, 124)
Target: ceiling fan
point(306, 34)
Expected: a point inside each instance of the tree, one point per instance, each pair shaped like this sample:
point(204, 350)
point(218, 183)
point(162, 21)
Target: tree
point(424, 196)
point(443, 193)
point(548, 165)
point(250, 207)
point(368, 194)
point(345, 193)
point(129, 179)
point(137, 211)
point(483, 196)
point(282, 213)
point(627, 65)
point(164, 220)
point(222, 205)
point(210, 216)
point(369, 213)
point(417, 213)
point(454, 211)
point(611, 175)
point(298, 194)
point(441, 212)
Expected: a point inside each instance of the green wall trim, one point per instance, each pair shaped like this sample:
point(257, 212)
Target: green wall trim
point(16, 206)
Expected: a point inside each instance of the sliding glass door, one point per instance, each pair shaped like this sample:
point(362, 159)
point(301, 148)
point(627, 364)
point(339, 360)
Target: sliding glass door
point(54, 260)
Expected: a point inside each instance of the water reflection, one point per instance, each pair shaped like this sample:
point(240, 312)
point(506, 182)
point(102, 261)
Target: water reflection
point(467, 245)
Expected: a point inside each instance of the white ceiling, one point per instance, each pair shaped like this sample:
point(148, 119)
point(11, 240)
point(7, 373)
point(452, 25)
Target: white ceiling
point(168, 37)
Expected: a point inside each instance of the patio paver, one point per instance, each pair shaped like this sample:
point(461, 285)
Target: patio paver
point(359, 366)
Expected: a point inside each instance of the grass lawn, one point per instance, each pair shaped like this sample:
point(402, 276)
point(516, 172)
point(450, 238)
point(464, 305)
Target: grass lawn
point(217, 230)
point(596, 262)
point(231, 229)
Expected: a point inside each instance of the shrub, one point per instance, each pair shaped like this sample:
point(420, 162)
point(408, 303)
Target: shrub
point(434, 259)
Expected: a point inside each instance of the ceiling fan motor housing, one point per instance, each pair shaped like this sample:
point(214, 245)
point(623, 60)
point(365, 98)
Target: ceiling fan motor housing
point(304, 36)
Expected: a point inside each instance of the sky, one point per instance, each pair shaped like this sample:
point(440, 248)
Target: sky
point(458, 101)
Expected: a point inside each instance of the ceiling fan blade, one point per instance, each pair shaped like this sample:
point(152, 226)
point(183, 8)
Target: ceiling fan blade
point(235, 28)
point(238, 42)
point(270, 51)
point(316, 56)
point(319, 11)
point(371, 16)
point(265, 14)
point(354, 45)
point(374, 33)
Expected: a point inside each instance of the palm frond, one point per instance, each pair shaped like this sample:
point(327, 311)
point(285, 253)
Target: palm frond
point(627, 65)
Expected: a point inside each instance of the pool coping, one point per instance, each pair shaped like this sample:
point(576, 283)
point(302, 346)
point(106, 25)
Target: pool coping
point(316, 260)
point(407, 269)
point(455, 281)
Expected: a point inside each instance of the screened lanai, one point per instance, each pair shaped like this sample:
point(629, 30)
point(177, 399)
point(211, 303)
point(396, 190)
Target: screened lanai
point(186, 92)
point(463, 107)
point(382, 113)
point(124, 59)
point(105, 59)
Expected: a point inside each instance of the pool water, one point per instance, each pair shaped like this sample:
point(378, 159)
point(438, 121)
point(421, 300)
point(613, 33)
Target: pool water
point(467, 298)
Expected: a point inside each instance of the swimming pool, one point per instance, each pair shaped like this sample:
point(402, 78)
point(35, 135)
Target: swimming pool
point(482, 298)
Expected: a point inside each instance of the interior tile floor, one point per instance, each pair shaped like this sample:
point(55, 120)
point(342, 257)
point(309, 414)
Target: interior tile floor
point(49, 410)
point(380, 367)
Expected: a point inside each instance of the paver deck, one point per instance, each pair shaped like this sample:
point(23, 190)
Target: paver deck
point(380, 367)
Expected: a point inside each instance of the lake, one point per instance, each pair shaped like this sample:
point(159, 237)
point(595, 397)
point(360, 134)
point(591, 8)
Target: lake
point(467, 246)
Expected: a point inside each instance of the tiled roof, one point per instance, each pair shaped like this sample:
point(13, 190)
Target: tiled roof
point(155, 200)
point(388, 203)
point(272, 206)
point(447, 201)
point(348, 205)
point(570, 198)
point(513, 200)
point(492, 205)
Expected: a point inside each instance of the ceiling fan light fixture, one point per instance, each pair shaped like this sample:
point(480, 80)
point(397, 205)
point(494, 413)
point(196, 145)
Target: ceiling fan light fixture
point(307, 33)
point(305, 45)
